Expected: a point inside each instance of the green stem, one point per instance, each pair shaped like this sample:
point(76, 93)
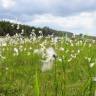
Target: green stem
point(36, 83)
point(55, 81)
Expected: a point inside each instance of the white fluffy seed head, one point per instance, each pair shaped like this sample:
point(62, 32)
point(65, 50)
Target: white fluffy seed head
point(92, 65)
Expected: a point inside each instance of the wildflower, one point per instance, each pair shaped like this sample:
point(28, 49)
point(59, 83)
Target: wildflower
point(16, 51)
point(21, 48)
point(73, 56)
point(74, 35)
point(84, 44)
point(18, 27)
point(2, 57)
point(94, 79)
point(12, 25)
point(4, 44)
point(91, 65)
point(78, 51)
point(6, 68)
point(22, 31)
point(90, 45)
point(93, 41)
point(33, 30)
point(59, 59)
point(89, 59)
point(80, 42)
point(30, 48)
point(36, 51)
point(70, 59)
point(72, 44)
point(55, 40)
point(61, 49)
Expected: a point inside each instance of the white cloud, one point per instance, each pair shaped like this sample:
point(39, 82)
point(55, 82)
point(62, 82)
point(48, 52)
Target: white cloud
point(8, 4)
point(84, 21)
point(58, 14)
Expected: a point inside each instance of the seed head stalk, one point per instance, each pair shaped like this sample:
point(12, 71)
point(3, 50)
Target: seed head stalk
point(36, 83)
point(64, 78)
point(55, 80)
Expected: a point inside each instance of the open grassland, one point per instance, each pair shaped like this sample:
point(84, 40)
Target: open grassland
point(73, 72)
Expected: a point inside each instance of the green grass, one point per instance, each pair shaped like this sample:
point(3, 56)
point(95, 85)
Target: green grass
point(21, 75)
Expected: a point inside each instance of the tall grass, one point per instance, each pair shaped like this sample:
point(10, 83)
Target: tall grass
point(71, 75)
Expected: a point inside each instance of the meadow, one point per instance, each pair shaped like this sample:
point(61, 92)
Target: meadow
point(69, 69)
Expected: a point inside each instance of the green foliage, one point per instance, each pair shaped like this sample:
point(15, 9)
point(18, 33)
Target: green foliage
point(11, 29)
point(21, 75)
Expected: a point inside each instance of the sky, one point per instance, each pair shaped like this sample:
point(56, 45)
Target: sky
point(77, 16)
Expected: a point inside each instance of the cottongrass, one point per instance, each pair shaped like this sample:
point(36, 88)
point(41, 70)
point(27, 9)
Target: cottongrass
point(68, 70)
point(92, 64)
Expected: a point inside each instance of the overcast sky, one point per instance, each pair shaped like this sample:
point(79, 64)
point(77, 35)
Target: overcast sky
point(78, 16)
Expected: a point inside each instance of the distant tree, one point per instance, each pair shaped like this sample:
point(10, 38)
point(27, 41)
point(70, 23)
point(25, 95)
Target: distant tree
point(11, 29)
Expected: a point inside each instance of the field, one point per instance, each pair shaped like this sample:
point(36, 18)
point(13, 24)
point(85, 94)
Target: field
point(69, 69)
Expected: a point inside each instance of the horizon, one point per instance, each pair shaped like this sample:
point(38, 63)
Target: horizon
point(16, 22)
point(69, 15)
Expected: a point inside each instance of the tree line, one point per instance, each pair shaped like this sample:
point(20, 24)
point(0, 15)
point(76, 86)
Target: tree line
point(7, 27)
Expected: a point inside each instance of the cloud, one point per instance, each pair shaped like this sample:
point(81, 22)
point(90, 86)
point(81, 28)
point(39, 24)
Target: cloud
point(54, 7)
point(7, 4)
point(83, 22)
point(72, 15)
